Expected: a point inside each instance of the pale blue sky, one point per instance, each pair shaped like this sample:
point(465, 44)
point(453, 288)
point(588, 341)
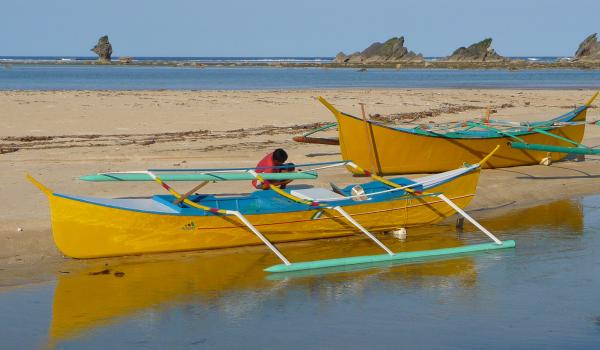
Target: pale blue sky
point(299, 28)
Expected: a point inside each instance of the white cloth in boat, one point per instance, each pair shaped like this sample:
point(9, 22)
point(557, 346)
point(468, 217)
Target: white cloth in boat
point(312, 194)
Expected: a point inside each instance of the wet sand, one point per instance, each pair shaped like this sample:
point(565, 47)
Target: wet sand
point(58, 136)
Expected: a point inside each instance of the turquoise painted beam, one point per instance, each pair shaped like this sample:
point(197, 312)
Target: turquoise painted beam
point(320, 264)
point(557, 149)
point(231, 176)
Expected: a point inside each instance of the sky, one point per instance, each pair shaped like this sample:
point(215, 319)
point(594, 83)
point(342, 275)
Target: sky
point(292, 28)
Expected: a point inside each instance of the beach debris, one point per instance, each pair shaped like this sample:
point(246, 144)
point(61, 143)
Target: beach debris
point(103, 49)
point(8, 149)
point(546, 160)
point(101, 272)
point(19, 229)
point(393, 50)
point(446, 108)
point(478, 52)
point(399, 233)
point(28, 138)
point(589, 49)
point(119, 274)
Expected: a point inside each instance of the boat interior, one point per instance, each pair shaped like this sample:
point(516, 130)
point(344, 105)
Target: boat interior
point(256, 202)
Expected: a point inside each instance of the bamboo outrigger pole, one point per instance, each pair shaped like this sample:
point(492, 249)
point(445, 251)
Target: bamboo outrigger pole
point(557, 149)
point(190, 192)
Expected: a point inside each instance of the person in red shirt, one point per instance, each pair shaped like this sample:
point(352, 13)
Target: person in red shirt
point(275, 158)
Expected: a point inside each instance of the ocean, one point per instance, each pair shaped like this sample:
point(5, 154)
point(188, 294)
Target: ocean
point(42, 73)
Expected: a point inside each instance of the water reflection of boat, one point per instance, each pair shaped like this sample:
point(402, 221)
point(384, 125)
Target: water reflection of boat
point(233, 282)
point(563, 213)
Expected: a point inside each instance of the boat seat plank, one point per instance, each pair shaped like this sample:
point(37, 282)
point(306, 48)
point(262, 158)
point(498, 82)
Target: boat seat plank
point(315, 193)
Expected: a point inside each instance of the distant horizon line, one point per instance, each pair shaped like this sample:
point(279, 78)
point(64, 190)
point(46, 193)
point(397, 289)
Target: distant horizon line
point(272, 56)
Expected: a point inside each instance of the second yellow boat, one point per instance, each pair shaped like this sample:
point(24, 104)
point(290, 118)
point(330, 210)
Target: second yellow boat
point(388, 150)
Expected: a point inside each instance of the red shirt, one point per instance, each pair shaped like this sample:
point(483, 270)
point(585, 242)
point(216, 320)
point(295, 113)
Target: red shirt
point(267, 161)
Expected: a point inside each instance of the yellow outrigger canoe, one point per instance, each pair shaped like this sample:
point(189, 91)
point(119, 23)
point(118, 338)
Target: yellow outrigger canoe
point(90, 227)
point(387, 150)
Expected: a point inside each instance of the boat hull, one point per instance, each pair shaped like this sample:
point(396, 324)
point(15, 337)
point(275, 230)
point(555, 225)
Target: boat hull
point(83, 229)
point(388, 150)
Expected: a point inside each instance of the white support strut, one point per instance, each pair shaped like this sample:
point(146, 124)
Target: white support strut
point(468, 217)
point(259, 235)
point(364, 230)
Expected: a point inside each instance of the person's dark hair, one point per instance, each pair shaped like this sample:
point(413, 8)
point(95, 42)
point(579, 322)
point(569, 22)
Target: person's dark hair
point(280, 155)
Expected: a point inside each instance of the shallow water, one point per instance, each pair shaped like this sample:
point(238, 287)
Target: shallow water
point(542, 295)
point(81, 77)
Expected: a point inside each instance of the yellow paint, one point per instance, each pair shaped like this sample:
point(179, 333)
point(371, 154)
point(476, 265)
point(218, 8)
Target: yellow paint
point(85, 230)
point(39, 185)
point(398, 152)
point(229, 281)
point(591, 100)
point(490, 155)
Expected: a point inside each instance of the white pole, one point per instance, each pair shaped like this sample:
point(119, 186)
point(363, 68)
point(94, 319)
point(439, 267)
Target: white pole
point(468, 217)
point(369, 234)
point(259, 235)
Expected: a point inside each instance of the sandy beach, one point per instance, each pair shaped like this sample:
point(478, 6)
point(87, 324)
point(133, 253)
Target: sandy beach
point(59, 135)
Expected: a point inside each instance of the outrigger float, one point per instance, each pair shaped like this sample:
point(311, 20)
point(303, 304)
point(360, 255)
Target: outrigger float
point(387, 150)
point(90, 227)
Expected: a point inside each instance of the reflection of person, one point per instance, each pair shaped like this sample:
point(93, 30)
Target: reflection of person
point(276, 158)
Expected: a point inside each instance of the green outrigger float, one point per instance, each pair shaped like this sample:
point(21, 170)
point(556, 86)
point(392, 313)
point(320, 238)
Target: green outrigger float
point(580, 149)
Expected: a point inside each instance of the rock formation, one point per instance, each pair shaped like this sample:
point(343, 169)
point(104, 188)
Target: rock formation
point(103, 49)
point(391, 51)
point(589, 49)
point(478, 52)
